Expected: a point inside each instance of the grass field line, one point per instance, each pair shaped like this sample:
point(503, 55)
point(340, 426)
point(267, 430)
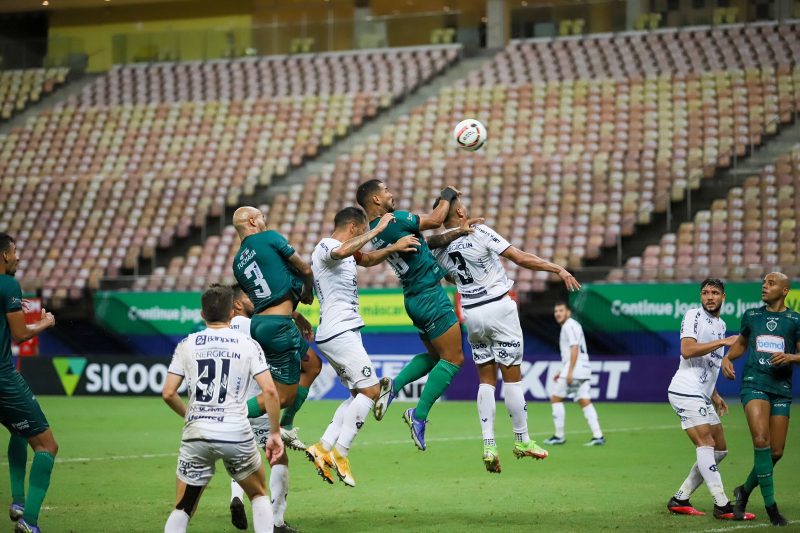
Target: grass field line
point(742, 526)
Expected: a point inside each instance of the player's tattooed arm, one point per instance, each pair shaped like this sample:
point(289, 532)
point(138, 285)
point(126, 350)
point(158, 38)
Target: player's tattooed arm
point(407, 244)
point(691, 348)
point(443, 240)
point(534, 262)
point(735, 352)
point(171, 396)
point(303, 269)
point(351, 246)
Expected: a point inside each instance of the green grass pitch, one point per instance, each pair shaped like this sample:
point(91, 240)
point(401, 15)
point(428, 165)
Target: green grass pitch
point(116, 472)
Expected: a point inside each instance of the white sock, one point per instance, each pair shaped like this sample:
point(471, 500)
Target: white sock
point(515, 403)
point(558, 419)
point(177, 522)
point(331, 434)
point(708, 469)
point(486, 413)
point(236, 490)
point(591, 418)
point(278, 489)
point(694, 479)
point(353, 421)
point(262, 515)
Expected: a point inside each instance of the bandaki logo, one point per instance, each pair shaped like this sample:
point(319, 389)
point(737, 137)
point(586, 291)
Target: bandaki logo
point(770, 344)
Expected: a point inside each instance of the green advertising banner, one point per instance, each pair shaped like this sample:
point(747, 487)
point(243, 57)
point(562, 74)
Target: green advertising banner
point(660, 307)
point(174, 313)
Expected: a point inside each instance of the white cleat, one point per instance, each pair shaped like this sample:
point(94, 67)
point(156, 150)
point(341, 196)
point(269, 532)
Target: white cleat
point(292, 440)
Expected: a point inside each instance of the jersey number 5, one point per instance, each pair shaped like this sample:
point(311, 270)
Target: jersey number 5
point(262, 289)
point(207, 383)
point(461, 265)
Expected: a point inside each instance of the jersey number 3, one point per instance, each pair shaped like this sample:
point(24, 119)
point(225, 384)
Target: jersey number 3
point(207, 383)
point(461, 265)
point(253, 272)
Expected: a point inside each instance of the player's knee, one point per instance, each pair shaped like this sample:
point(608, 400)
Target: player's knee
point(760, 441)
point(456, 358)
point(188, 501)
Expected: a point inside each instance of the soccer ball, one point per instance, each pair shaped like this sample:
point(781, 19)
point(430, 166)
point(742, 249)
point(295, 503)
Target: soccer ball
point(470, 134)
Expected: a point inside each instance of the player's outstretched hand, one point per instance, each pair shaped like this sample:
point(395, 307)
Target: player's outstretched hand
point(305, 327)
point(409, 243)
point(729, 341)
point(48, 318)
point(384, 222)
point(569, 280)
point(781, 358)
point(468, 223)
point(727, 368)
point(274, 448)
point(719, 405)
point(307, 297)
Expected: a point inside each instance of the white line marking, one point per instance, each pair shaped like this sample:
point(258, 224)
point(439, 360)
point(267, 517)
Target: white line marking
point(743, 526)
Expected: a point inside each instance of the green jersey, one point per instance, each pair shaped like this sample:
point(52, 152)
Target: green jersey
point(262, 268)
point(10, 301)
point(418, 271)
point(769, 333)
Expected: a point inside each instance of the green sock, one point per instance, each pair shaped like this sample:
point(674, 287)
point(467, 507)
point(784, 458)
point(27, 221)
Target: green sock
point(438, 381)
point(751, 482)
point(287, 420)
point(420, 365)
point(253, 409)
point(41, 469)
point(17, 461)
point(763, 468)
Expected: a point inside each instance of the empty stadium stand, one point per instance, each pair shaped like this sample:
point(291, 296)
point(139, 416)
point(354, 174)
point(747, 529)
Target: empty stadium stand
point(21, 88)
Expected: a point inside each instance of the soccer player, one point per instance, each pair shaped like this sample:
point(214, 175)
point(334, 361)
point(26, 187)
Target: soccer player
point(279, 473)
point(275, 278)
point(338, 337)
point(20, 413)
point(218, 364)
point(573, 378)
point(693, 395)
point(772, 335)
point(492, 320)
point(425, 301)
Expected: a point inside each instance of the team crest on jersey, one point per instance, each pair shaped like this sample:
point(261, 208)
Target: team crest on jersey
point(366, 371)
point(772, 324)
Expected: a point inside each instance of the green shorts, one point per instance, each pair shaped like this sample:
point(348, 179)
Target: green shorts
point(779, 405)
point(431, 312)
point(19, 410)
point(284, 347)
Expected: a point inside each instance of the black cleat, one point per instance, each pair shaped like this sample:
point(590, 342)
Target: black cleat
point(775, 516)
point(725, 512)
point(676, 506)
point(285, 528)
point(238, 515)
point(740, 498)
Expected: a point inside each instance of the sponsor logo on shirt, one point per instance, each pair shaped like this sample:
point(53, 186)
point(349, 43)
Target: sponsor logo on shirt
point(770, 344)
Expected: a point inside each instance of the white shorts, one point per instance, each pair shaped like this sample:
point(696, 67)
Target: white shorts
point(579, 390)
point(494, 332)
point(261, 427)
point(693, 411)
point(347, 356)
point(197, 460)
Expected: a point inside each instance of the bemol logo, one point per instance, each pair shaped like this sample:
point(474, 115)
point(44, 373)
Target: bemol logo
point(69, 370)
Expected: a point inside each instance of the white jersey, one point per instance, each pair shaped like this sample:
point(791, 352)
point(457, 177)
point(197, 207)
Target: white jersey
point(218, 365)
point(572, 335)
point(336, 285)
point(697, 376)
point(473, 263)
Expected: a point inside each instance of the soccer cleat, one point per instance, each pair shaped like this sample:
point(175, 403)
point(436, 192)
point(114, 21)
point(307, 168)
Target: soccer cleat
point(238, 515)
point(384, 398)
point(775, 516)
point(491, 459)
point(682, 507)
point(322, 461)
point(740, 498)
point(529, 449)
point(342, 466)
point(291, 440)
point(599, 441)
point(15, 512)
point(24, 527)
point(417, 428)
point(726, 513)
point(285, 528)
point(552, 441)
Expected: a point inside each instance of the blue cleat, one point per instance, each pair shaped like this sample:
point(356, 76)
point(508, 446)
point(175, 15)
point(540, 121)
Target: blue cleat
point(15, 512)
point(417, 428)
point(384, 398)
point(24, 527)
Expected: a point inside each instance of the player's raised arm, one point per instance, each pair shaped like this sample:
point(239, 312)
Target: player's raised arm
point(304, 271)
point(351, 246)
point(437, 217)
point(21, 332)
point(534, 262)
point(443, 240)
point(407, 244)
